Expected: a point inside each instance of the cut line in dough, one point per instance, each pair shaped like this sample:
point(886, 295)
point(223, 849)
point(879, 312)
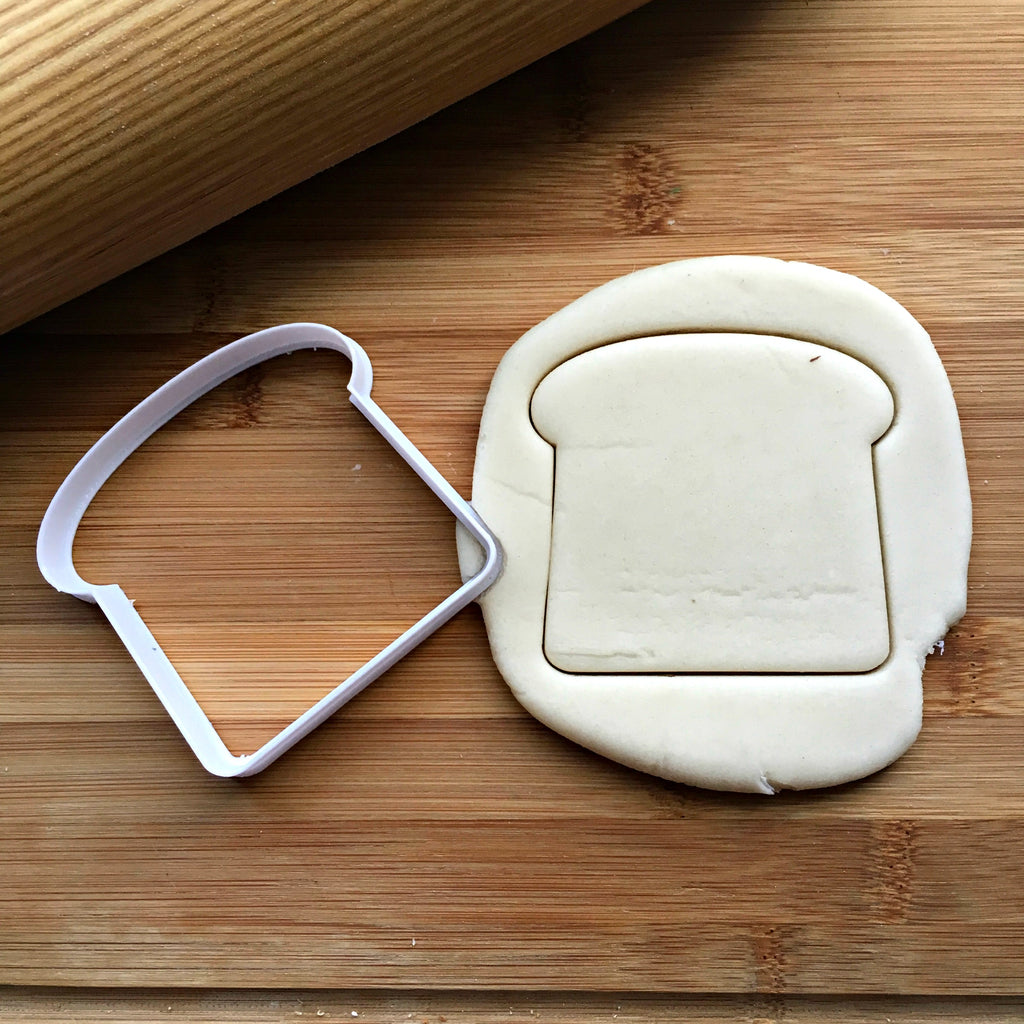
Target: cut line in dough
point(714, 704)
point(643, 578)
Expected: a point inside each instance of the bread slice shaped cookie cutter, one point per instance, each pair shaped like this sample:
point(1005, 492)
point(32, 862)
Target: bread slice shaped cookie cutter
point(734, 508)
point(62, 518)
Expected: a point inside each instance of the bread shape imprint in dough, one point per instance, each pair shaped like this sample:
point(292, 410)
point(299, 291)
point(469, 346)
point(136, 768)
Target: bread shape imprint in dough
point(734, 508)
point(687, 538)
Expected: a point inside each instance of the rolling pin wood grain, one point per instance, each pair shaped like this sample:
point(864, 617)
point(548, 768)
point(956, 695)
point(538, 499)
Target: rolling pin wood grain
point(432, 836)
point(128, 127)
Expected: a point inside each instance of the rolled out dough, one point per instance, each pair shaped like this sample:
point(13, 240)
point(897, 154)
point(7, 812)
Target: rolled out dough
point(733, 501)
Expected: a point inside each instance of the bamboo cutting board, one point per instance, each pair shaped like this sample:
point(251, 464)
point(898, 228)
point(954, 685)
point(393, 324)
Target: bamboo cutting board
point(432, 835)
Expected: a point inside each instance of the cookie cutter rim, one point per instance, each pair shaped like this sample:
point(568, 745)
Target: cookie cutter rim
point(55, 541)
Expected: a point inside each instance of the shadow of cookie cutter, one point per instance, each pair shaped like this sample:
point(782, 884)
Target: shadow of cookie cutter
point(60, 524)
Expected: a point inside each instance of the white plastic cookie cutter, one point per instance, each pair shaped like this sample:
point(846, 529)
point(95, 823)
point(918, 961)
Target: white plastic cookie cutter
point(60, 524)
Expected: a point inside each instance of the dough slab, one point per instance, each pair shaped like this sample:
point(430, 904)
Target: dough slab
point(733, 501)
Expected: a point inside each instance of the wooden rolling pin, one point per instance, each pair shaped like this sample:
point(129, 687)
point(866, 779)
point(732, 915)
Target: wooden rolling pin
point(129, 126)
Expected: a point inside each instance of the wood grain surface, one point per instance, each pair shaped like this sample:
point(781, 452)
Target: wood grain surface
point(239, 1006)
point(432, 836)
point(132, 125)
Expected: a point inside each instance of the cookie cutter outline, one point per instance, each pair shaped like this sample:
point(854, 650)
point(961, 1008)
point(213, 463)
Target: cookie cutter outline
point(60, 524)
